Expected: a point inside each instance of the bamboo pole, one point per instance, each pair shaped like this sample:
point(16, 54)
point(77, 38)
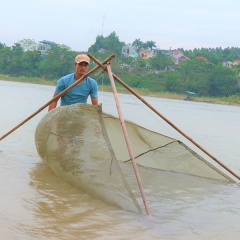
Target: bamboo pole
point(58, 96)
point(127, 140)
point(168, 121)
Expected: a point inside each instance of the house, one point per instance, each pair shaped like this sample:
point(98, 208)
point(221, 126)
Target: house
point(178, 57)
point(227, 64)
point(167, 52)
point(44, 46)
point(128, 51)
point(202, 58)
point(145, 53)
point(183, 58)
point(102, 50)
point(236, 62)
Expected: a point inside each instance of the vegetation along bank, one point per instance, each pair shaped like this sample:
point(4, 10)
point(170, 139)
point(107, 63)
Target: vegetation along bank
point(212, 74)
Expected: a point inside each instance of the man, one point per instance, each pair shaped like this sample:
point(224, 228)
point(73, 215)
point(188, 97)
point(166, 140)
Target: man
point(80, 92)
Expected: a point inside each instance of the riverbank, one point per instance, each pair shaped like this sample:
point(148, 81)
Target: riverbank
point(230, 100)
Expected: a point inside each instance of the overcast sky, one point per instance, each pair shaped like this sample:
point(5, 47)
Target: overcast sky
point(76, 23)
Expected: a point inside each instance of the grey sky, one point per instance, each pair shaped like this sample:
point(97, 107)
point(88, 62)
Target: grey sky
point(169, 23)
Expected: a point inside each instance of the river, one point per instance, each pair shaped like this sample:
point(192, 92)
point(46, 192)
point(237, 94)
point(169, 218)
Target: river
point(36, 204)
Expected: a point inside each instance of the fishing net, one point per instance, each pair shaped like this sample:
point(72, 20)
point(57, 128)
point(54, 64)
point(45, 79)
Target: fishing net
point(157, 151)
point(86, 148)
point(73, 141)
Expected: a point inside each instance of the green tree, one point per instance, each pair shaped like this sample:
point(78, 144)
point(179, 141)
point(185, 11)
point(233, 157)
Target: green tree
point(111, 43)
point(5, 58)
point(58, 62)
point(138, 44)
point(98, 44)
point(28, 44)
point(222, 82)
point(31, 60)
point(194, 75)
point(236, 68)
point(171, 81)
point(150, 45)
point(16, 59)
point(160, 62)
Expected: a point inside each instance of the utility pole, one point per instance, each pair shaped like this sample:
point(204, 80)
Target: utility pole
point(103, 24)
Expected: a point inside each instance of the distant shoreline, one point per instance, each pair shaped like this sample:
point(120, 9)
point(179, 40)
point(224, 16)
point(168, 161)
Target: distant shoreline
point(232, 100)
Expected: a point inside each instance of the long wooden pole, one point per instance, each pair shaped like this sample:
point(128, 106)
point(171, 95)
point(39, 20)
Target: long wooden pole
point(57, 97)
point(168, 121)
point(127, 140)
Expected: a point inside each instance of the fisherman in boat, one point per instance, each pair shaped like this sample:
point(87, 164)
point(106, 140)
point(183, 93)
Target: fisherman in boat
point(80, 92)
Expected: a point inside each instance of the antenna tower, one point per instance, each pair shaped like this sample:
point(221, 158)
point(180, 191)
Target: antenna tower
point(103, 24)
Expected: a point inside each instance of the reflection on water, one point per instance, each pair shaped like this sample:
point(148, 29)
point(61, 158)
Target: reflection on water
point(35, 204)
point(60, 211)
point(59, 208)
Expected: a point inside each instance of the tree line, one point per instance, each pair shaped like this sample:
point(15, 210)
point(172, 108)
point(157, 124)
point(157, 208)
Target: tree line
point(157, 74)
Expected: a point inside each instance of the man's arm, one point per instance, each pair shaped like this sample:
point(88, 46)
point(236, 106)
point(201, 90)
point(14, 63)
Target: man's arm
point(53, 104)
point(94, 101)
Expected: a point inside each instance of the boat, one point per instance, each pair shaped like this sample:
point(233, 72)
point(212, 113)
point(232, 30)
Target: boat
point(189, 96)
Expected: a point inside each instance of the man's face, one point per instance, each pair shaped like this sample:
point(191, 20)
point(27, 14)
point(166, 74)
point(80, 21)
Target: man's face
point(81, 68)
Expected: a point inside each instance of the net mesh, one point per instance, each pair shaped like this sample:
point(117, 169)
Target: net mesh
point(86, 148)
point(73, 141)
point(154, 150)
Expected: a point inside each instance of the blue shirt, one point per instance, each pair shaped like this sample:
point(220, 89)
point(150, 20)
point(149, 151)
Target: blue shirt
point(79, 93)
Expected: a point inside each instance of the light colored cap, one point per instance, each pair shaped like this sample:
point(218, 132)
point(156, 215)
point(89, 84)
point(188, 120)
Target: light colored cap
point(82, 58)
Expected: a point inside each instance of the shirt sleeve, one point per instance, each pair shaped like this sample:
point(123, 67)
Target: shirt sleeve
point(94, 91)
point(60, 86)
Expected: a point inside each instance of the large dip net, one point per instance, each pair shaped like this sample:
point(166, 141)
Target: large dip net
point(86, 148)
